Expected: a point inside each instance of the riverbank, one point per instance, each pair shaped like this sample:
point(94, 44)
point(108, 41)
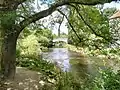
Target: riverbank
point(78, 50)
point(41, 75)
point(108, 56)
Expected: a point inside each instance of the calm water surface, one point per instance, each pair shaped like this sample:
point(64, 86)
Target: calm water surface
point(74, 62)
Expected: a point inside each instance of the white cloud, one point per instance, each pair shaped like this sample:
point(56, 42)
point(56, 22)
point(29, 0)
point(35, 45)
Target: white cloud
point(112, 5)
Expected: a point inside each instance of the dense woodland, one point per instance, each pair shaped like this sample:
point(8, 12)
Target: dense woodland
point(25, 36)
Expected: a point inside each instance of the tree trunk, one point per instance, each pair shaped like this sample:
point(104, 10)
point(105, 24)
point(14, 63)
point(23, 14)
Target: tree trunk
point(8, 55)
point(8, 44)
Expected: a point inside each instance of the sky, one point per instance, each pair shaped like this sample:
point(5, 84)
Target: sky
point(63, 25)
point(112, 5)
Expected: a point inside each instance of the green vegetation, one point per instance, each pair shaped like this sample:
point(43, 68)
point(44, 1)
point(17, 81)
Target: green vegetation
point(105, 80)
point(24, 39)
point(32, 43)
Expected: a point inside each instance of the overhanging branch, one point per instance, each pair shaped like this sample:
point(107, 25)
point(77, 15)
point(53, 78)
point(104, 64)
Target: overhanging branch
point(90, 27)
point(20, 1)
point(88, 2)
point(53, 7)
point(70, 25)
point(38, 16)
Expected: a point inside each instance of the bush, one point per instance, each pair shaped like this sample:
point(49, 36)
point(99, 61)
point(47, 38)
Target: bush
point(29, 46)
point(44, 41)
point(107, 80)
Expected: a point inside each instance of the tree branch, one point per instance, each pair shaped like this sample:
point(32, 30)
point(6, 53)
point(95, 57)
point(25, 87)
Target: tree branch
point(70, 25)
point(91, 28)
point(53, 7)
point(88, 2)
point(8, 5)
point(60, 26)
point(37, 16)
point(20, 1)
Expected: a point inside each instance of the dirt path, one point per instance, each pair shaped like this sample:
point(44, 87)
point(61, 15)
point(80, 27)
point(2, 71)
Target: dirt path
point(25, 79)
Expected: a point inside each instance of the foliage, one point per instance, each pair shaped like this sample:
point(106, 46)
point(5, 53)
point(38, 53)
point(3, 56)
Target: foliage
point(73, 48)
point(105, 80)
point(44, 36)
point(44, 41)
point(44, 32)
point(31, 42)
point(35, 64)
point(108, 80)
point(29, 46)
point(112, 80)
point(25, 33)
point(68, 81)
point(91, 26)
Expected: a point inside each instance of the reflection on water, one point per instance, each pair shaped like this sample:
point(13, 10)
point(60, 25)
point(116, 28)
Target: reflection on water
point(72, 61)
point(59, 56)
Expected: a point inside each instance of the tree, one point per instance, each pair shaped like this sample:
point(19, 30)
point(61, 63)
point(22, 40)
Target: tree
point(10, 30)
point(91, 25)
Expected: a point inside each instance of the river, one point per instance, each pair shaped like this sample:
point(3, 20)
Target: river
point(71, 61)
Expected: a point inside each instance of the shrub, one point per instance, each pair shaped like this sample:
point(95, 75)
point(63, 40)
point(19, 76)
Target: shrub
point(29, 46)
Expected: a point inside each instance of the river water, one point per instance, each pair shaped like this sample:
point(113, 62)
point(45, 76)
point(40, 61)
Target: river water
point(71, 61)
point(59, 56)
